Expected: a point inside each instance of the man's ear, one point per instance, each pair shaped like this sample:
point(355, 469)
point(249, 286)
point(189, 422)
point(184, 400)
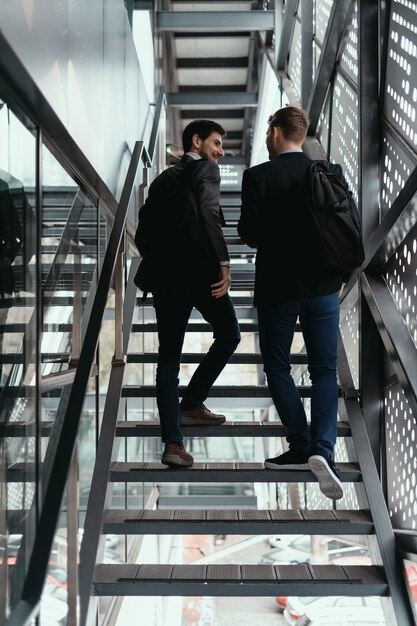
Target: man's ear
point(196, 141)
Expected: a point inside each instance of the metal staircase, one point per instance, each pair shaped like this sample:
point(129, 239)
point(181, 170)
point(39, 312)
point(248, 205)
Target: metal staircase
point(370, 519)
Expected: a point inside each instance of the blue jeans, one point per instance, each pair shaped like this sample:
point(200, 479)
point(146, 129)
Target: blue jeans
point(319, 318)
point(172, 315)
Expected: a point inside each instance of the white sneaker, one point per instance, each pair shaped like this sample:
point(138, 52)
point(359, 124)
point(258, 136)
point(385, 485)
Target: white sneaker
point(326, 474)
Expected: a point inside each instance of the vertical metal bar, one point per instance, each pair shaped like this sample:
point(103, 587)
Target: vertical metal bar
point(306, 51)
point(72, 538)
point(72, 485)
point(371, 352)
point(369, 125)
point(118, 305)
point(286, 34)
point(76, 303)
point(38, 322)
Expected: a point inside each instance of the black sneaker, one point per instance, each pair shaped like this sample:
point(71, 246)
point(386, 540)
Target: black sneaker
point(326, 473)
point(289, 460)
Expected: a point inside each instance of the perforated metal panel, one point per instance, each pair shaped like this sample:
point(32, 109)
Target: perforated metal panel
point(322, 14)
point(401, 437)
point(316, 57)
point(400, 275)
point(344, 135)
point(400, 101)
point(349, 58)
point(231, 176)
point(396, 166)
point(294, 64)
point(323, 127)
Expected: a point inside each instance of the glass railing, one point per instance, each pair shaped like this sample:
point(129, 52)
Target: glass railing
point(59, 245)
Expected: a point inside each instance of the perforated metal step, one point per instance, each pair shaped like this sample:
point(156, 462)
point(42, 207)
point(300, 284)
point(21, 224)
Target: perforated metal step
point(238, 580)
point(221, 472)
point(218, 391)
point(237, 522)
point(235, 359)
point(151, 428)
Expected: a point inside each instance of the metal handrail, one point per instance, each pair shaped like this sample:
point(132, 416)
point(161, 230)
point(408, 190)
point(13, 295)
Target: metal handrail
point(100, 496)
point(27, 606)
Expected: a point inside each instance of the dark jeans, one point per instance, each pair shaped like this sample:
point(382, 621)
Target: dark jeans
point(172, 315)
point(319, 318)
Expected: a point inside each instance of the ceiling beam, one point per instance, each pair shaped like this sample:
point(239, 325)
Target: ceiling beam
point(210, 98)
point(218, 21)
point(215, 62)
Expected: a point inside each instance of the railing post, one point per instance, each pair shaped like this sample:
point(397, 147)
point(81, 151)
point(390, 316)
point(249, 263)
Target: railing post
point(119, 356)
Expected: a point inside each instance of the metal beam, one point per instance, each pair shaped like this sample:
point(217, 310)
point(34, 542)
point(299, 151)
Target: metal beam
point(306, 51)
point(286, 34)
point(394, 334)
point(218, 21)
point(334, 35)
point(394, 227)
point(204, 98)
point(370, 346)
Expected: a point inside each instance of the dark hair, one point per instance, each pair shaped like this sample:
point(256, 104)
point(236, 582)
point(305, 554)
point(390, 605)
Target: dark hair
point(202, 128)
point(293, 122)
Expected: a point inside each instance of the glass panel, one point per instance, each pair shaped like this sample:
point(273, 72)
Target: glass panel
point(70, 244)
point(18, 372)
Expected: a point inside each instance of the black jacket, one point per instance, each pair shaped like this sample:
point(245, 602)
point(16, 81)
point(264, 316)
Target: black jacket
point(204, 179)
point(274, 219)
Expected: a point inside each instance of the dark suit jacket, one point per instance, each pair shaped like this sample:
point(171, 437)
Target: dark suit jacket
point(274, 219)
point(203, 178)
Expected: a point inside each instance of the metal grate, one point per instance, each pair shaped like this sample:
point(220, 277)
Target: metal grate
point(322, 14)
point(396, 166)
point(401, 436)
point(294, 63)
point(401, 85)
point(323, 128)
point(400, 275)
point(344, 137)
point(349, 59)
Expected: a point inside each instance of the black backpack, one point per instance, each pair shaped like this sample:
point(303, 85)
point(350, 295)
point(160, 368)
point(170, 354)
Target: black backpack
point(172, 241)
point(335, 219)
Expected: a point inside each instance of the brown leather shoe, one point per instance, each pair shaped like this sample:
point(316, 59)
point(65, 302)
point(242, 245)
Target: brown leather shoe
point(175, 455)
point(200, 415)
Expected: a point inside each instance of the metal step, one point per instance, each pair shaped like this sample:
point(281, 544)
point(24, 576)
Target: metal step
point(151, 428)
point(25, 429)
point(196, 327)
point(218, 391)
point(221, 473)
point(240, 358)
point(237, 522)
point(238, 301)
point(239, 580)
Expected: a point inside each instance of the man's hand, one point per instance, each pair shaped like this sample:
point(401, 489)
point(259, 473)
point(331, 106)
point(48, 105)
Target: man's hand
point(222, 287)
